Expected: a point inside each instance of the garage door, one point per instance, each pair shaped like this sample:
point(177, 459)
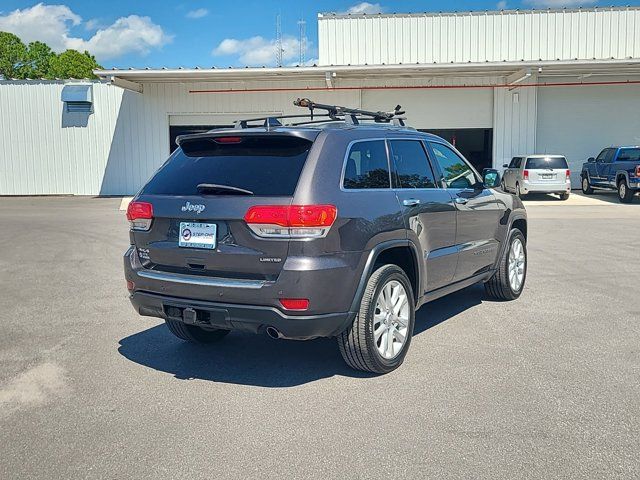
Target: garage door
point(579, 122)
point(438, 108)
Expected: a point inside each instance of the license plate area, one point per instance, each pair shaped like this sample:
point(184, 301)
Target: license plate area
point(197, 235)
point(547, 176)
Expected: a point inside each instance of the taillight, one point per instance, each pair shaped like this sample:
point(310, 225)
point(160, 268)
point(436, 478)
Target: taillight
point(525, 174)
point(291, 221)
point(299, 304)
point(568, 177)
point(637, 170)
point(140, 215)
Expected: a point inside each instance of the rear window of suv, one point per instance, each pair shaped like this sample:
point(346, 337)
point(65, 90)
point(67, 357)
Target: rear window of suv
point(264, 165)
point(546, 163)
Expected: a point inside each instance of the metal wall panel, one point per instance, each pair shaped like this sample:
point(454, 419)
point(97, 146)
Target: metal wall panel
point(580, 122)
point(596, 33)
point(124, 140)
point(514, 129)
point(42, 151)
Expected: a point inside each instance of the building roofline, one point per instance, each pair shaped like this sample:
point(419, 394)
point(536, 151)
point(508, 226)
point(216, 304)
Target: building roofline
point(332, 15)
point(630, 66)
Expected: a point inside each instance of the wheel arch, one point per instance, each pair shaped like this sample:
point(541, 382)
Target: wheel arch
point(622, 174)
point(403, 253)
point(518, 221)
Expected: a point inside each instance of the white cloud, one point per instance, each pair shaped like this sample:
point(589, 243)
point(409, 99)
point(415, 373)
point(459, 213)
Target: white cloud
point(52, 23)
point(364, 7)
point(559, 3)
point(259, 50)
point(47, 23)
point(126, 35)
point(501, 5)
point(92, 24)
point(197, 13)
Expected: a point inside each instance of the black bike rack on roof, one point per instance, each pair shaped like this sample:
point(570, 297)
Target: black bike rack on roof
point(335, 113)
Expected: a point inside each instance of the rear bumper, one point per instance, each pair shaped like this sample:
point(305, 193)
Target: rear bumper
point(328, 282)
point(248, 318)
point(528, 187)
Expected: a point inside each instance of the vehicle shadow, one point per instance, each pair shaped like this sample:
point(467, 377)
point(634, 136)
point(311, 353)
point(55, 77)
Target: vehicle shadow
point(261, 361)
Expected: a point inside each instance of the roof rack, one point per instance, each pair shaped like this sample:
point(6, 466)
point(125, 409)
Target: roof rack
point(353, 115)
point(335, 113)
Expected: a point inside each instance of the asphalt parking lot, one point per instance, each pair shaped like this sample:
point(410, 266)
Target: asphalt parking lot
point(544, 387)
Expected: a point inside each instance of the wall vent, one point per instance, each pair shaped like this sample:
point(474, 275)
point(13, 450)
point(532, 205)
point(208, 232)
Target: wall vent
point(78, 98)
point(78, 107)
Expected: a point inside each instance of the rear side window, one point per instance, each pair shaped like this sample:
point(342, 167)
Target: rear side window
point(412, 169)
point(264, 165)
point(546, 163)
point(629, 155)
point(367, 166)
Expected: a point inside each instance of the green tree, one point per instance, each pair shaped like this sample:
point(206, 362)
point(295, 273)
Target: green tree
point(37, 61)
point(12, 55)
point(72, 64)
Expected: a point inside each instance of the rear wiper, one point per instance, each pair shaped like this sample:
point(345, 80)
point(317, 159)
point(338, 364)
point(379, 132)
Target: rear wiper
point(212, 187)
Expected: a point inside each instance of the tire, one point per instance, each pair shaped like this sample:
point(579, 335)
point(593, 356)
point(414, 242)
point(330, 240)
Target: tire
point(519, 194)
point(564, 196)
point(193, 334)
point(625, 194)
point(358, 344)
point(499, 286)
point(586, 186)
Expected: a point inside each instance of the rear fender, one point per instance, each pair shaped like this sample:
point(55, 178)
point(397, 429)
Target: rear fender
point(371, 261)
point(620, 174)
point(503, 244)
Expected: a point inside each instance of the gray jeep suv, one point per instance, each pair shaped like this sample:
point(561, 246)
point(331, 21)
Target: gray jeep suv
point(333, 228)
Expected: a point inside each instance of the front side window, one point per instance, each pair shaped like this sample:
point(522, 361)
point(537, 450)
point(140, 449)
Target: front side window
point(455, 171)
point(367, 166)
point(606, 156)
point(411, 165)
point(513, 163)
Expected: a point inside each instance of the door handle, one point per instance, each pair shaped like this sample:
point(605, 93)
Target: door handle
point(460, 200)
point(411, 202)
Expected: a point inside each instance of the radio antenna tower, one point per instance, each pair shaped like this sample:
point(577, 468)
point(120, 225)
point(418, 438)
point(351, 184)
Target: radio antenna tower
point(302, 42)
point(279, 49)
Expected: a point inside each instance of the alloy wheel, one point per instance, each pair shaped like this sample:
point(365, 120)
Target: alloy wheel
point(517, 261)
point(391, 320)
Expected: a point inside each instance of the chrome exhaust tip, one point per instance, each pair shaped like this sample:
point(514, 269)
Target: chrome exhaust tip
point(273, 332)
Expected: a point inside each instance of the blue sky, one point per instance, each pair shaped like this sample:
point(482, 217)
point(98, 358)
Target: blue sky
point(224, 33)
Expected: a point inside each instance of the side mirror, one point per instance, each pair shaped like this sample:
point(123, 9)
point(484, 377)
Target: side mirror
point(505, 165)
point(591, 160)
point(491, 177)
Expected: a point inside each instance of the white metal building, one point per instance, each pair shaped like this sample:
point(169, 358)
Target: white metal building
point(496, 84)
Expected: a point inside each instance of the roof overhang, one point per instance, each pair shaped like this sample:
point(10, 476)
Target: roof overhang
point(133, 79)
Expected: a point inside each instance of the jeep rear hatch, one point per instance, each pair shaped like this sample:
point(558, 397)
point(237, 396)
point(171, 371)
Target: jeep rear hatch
point(203, 201)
